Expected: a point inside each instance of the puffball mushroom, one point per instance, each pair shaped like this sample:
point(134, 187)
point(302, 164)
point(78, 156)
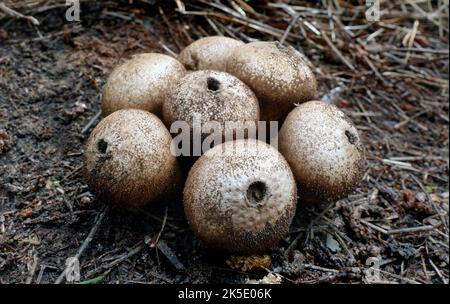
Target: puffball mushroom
point(324, 151)
point(212, 96)
point(141, 83)
point(209, 53)
point(128, 161)
point(240, 197)
point(278, 75)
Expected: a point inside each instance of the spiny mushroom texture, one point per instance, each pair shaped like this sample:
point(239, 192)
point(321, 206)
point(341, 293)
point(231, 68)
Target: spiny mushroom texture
point(240, 197)
point(141, 83)
point(212, 96)
point(128, 161)
point(278, 75)
point(209, 53)
point(324, 151)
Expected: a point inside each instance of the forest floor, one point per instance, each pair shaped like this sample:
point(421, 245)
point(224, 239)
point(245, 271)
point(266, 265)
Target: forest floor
point(390, 77)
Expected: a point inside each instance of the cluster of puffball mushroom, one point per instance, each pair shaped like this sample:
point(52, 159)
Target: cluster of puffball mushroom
point(240, 196)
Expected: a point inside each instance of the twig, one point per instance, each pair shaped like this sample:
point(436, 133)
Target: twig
point(336, 51)
point(422, 12)
point(126, 256)
point(91, 122)
point(145, 212)
point(33, 270)
point(441, 216)
point(41, 273)
point(402, 123)
point(398, 277)
point(288, 29)
point(163, 225)
point(438, 271)
point(314, 267)
point(169, 28)
point(167, 49)
point(72, 173)
point(137, 248)
point(170, 255)
point(86, 242)
point(411, 230)
point(379, 229)
point(16, 14)
point(158, 276)
point(374, 69)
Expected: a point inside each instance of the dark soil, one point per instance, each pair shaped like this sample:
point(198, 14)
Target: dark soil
point(50, 83)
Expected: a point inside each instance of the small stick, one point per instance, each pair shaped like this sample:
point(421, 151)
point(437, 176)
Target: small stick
point(73, 172)
point(180, 6)
point(16, 14)
point(409, 39)
point(417, 50)
point(154, 242)
point(214, 26)
point(441, 216)
point(33, 270)
point(41, 273)
point(398, 277)
point(109, 267)
point(167, 49)
point(423, 13)
point(158, 276)
point(404, 122)
point(337, 52)
point(159, 219)
point(344, 245)
point(424, 266)
point(86, 242)
point(374, 69)
point(128, 255)
point(437, 271)
point(170, 255)
point(314, 267)
point(169, 28)
point(289, 28)
point(91, 122)
point(411, 230)
point(379, 229)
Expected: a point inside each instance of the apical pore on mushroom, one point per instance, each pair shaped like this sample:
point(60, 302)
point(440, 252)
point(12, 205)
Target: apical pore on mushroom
point(220, 102)
point(240, 197)
point(128, 161)
point(324, 150)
